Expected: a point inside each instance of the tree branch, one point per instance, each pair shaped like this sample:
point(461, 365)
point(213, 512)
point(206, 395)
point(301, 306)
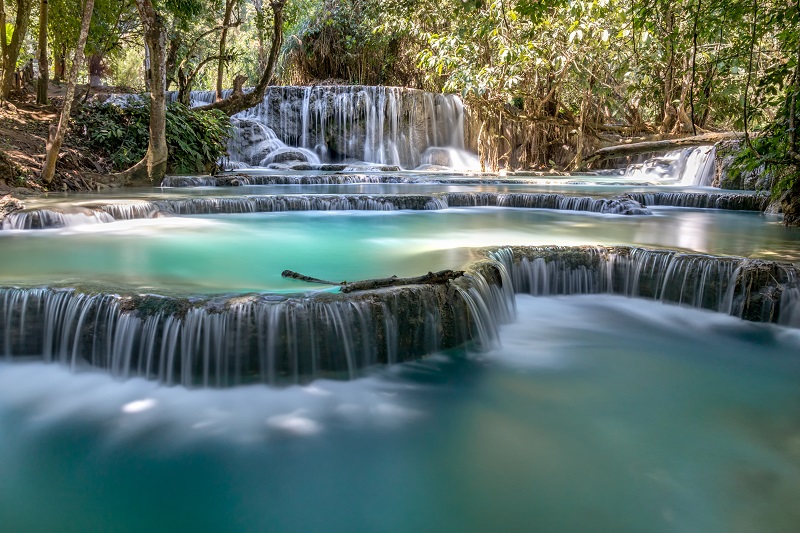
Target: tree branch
point(431, 278)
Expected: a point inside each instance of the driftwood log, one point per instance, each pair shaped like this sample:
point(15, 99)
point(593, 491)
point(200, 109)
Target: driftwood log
point(633, 148)
point(443, 276)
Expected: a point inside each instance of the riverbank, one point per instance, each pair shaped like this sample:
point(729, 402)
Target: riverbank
point(24, 126)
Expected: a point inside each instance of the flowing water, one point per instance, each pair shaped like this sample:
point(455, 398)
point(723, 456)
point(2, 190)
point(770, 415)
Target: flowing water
point(597, 413)
point(158, 373)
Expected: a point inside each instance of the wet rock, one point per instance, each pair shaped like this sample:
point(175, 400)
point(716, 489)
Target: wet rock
point(728, 177)
point(8, 205)
point(285, 155)
point(332, 167)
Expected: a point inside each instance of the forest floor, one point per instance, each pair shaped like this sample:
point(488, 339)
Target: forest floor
point(24, 127)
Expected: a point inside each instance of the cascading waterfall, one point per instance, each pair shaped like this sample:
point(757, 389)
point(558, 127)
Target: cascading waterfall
point(225, 341)
point(103, 213)
point(730, 201)
point(48, 218)
point(751, 289)
point(629, 204)
point(382, 125)
point(693, 166)
point(266, 339)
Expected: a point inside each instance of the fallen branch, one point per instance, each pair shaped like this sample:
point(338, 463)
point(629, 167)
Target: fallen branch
point(443, 276)
point(661, 145)
point(296, 275)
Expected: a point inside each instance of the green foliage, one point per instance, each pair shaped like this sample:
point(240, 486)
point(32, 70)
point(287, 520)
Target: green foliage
point(196, 140)
point(777, 91)
point(337, 39)
point(773, 148)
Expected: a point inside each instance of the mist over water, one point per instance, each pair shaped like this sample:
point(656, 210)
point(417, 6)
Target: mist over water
point(597, 413)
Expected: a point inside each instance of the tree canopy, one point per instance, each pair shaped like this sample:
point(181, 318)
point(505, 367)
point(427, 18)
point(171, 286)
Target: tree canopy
point(549, 79)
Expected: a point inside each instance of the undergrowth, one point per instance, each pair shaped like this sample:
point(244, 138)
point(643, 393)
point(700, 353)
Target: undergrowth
point(196, 139)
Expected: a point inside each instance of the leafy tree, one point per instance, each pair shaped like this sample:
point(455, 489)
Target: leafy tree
point(11, 38)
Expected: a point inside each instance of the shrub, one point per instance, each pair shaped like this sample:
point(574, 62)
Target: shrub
point(196, 139)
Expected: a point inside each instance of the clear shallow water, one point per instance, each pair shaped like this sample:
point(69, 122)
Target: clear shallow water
point(597, 414)
point(215, 253)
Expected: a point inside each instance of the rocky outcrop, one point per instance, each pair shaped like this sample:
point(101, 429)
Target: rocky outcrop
point(727, 176)
point(9, 205)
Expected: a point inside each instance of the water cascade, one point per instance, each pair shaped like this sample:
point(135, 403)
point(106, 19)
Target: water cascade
point(48, 218)
point(223, 341)
point(110, 212)
point(757, 290)
point(730, 201)
point(693, 166)
point(629, 204)
point(373, 124)
point(229, 341)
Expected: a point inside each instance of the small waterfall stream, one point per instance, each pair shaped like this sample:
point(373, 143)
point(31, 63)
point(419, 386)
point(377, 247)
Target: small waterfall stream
point(629, 204)
point(693, 166)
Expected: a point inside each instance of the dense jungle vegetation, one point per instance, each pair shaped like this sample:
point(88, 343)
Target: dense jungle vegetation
point(550, 81)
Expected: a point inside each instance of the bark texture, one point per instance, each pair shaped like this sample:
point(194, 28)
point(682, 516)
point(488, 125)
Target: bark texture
point(431, 278)
point(152, 168)
point(56, 136)
point(10, 50)
point(44, 68)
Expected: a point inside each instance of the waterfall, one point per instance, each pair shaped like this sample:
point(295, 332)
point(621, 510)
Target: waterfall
point(628, 204)
point(731, 201)
point(394, 126)
point(223, 341)
point(382, 125)
point(104, 213)
point(229, 341)
point(751, 289)
point(47, 218)
point(693, 166)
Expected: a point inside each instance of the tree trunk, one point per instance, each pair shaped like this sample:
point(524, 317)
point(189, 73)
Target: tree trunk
point(3, 36)
point(11, 51)
point(56, 136)
point(96, 69)
point(44, 69)
point(431, 278)
point(668, 111)
point(262, 54)
point(226, 20)
point(60, 68)
point(238, 100)
point(152, 168)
